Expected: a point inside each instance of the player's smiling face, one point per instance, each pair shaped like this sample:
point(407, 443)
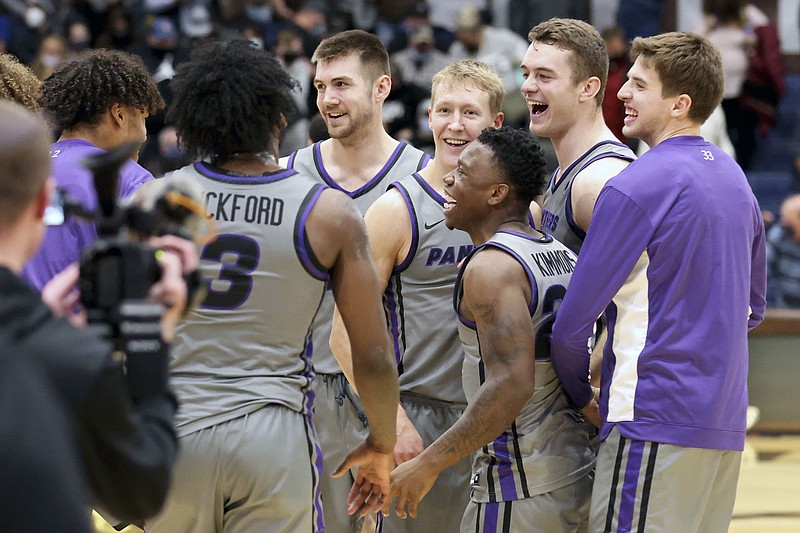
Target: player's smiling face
point(344, 95)
point(458, 114)
point(468, 187)
point(548, 89)
point(647, 111)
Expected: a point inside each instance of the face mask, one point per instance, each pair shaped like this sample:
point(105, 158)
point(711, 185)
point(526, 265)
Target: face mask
point(260, 13)
point(173, 153)
point(258, 41)
point(290, 57)
point(83, 44)
point(50, 60)
point(34, 16)
point(472, 48)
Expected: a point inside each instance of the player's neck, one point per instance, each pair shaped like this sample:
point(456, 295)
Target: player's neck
point(434, 174)
point(358, 154)
point(584, 134)
point(250, 163)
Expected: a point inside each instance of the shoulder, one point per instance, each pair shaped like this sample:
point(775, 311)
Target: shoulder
point(492, 268)
point(596, 174)
point(389, 204)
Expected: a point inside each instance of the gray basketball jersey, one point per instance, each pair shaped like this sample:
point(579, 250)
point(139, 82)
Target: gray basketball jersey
point(418, 299)
point(557, 216)
point(308, 161)
point(548, 446)
point(245, 345)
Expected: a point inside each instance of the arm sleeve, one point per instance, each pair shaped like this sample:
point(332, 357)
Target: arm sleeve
point(758, 277)
point(128, 448)
point(618, 235)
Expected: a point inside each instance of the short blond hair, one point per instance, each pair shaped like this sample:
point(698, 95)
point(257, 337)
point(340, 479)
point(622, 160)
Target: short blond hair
point(686, 63)
point(477, 73)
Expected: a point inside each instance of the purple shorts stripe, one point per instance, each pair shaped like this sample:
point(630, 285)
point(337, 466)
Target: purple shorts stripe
point(318, 519)
point(627, 502)
point(508, 488)
point(490, 517)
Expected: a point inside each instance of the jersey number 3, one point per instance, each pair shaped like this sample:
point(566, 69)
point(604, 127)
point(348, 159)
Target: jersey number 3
point(239, 257)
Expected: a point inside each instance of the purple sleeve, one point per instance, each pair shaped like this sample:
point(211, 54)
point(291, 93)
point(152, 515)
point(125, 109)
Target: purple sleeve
point(618, 235)
point(132, 176)
point(758, 277)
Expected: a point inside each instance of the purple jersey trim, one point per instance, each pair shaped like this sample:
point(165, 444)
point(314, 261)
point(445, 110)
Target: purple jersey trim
point(577, 230)
point(218, 174)
point(394, 308)
point(367, 186)
point(556, 184)
point(304, 252)
point(412, 214)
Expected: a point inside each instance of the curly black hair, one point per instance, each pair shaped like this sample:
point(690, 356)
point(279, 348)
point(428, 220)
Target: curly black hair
point(79, 92)
point(520, 159)
point(230, 97)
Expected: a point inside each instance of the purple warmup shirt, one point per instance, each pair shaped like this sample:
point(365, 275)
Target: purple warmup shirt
point(676, 252)
point(63, 244)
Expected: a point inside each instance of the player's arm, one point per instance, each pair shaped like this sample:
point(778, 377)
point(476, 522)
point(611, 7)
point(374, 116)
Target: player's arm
point(587, 185)
point(496, 295)
point(389, 229)
point(338, 237)
point(613, 247)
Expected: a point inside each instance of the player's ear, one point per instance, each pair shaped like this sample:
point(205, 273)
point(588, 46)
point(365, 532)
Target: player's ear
point(590, 88)
point(682, 105)
point(499, 193)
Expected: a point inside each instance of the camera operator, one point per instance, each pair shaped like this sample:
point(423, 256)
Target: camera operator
point(121, 437)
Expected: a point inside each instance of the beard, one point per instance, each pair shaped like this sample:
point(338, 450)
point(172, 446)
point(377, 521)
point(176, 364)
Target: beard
point(356, 123)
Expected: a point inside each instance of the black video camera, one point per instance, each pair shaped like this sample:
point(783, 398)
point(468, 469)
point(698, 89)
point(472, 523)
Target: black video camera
point(118, 270)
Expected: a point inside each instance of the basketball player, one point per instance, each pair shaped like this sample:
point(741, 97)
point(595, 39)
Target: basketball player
point(416, 255)
point(676, 253)
point(360, 159)
point(565, 71)
point(250, 460)
point(533, 455)
point(98, 101)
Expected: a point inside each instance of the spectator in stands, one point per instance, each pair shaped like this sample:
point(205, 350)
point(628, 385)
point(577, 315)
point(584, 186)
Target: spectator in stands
point(52, 52)
point(525, 14)
point(420, 60)
point(783, 257)
point(501, 49)
point(618, 65)
point(741, 33)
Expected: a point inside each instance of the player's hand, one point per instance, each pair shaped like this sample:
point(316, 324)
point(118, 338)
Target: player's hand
point(62, 297)
point(411, 481)
point(372, 478)
point(592, 409)
point(409, 443)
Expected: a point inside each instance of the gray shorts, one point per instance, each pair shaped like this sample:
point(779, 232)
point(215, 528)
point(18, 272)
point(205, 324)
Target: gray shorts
point(258, 473)
point(442, 508)
point(564, 510)
point(649, 487)
point(340, 425)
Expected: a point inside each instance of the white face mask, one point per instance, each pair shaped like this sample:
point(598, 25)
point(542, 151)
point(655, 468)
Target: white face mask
point(34, 16)
point(50, 60)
